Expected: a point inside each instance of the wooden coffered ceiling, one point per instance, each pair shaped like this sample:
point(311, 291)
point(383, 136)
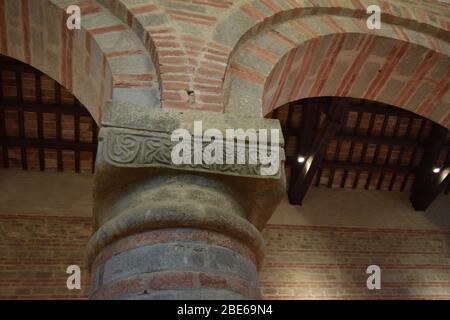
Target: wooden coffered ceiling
point(42, 126)
point(351, 143)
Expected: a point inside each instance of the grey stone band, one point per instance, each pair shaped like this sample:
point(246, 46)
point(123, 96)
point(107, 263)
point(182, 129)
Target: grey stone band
point(179, 215)
point(144, 271)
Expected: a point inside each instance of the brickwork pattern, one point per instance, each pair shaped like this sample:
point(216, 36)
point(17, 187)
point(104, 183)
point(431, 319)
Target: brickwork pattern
point(313, 262)
point(35, 252)
point(302, 262)
point(251, 55)
point(337, 56)
point(194, 44)
point(102, 61)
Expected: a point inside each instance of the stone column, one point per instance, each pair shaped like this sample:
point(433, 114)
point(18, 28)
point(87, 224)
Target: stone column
point(174, 232)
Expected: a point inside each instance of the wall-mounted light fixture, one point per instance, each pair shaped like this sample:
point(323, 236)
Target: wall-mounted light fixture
point(436, 170)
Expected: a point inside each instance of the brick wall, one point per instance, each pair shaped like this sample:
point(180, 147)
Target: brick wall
point(35, 252)
point(302, 262)
point(313, 262)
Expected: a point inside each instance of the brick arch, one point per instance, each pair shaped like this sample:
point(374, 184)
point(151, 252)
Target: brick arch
point(176, 54)
point(102, 61)
point(253, 18)
point(199, 60)
point(294, 60)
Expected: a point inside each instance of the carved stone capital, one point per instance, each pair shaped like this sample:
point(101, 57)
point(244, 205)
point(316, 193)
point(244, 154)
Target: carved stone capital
point(137, 145)
point(145, 149)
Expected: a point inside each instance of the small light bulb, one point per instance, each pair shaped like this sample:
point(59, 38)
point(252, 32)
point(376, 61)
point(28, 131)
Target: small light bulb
point(436, 170)
point(301, 159)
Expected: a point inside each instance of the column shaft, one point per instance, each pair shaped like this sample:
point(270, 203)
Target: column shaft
point(174, 237)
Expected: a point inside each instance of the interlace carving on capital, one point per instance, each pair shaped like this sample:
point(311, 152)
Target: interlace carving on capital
point(152, 149)
point(124, 148)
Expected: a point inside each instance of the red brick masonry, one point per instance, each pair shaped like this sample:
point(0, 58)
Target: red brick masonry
point(302, 262)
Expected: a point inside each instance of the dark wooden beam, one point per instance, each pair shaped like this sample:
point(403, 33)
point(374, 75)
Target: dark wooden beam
point(40, 121)
point(77, 137)
point(447, 190)
point(377, 153)
point(425, 196)
point(402, 151)
point(428, 185)
point(364, 149)
point(5, 154)
point(353, 105)
point(14, 65)
point(19, 97)
point(358, 138)
point(332, 123)
point(59, 156)
point(362, 167)
point(43, 108)
point(366, 167)
point(412, 159)
point(305, 136)
point(336, 156)
point(389, 155)
point(381, 109)
point(22, 107)
point(48, 144)
point(352, 148)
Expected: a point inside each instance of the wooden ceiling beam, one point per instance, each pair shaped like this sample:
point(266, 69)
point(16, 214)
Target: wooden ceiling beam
point(352, 148)
point(301, 182)
point(44, 108)
point(365, 107)
point(48, 144)
point(20, 108)
point(362, 167)
point(389, 141)
point(427, 184)
point(305, 136)
point(40, 119)
point(59, 156)
point(366, 167)
point(377, 153)
point(5, 153)
point(9, 64)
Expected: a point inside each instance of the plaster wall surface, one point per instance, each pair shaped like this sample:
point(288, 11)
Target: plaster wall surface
point(49, 193)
